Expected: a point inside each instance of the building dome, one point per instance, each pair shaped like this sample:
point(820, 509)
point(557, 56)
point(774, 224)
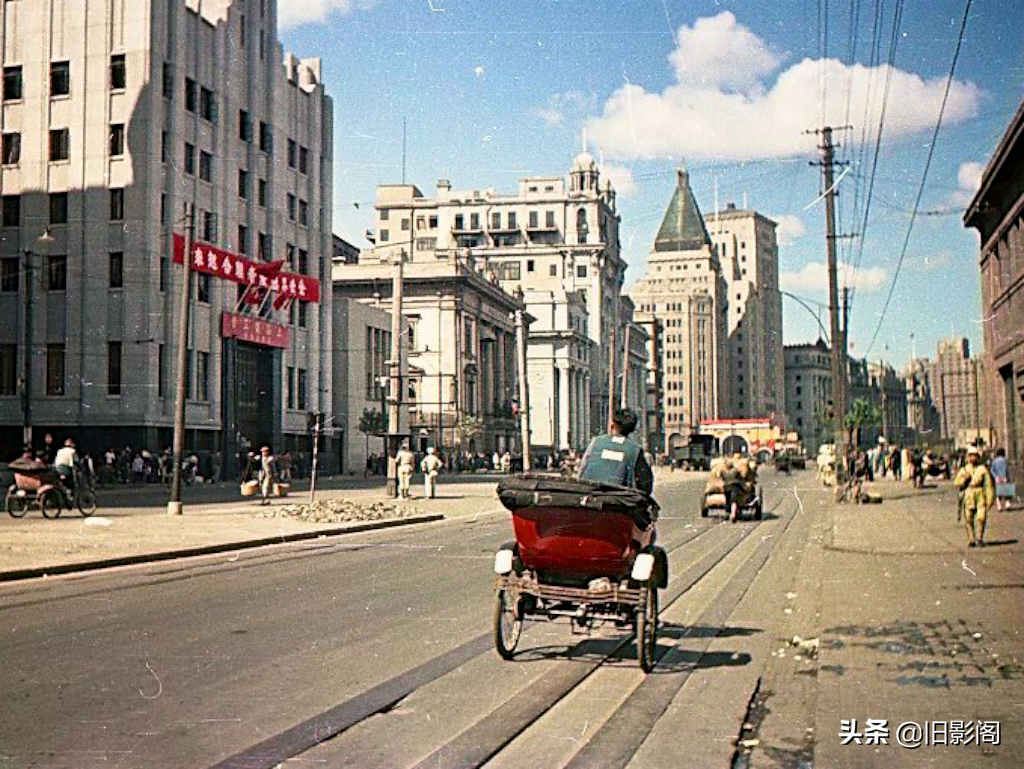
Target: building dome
point(584, 162)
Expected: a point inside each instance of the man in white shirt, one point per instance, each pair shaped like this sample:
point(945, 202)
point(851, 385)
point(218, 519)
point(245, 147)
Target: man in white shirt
point(431, 467)
point(64, 463)
point(406, 462)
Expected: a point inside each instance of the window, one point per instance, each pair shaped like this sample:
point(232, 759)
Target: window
point(168, 80)
point(303, 160)
point(303, 213)
point(165, 146)
point(266, 139)
point(261, 192)
point(56, 273)
point(553, 270)
point(12, 83)
point(60, 78)
point(243, 240)
point(385, 236)
point(118, 74)
point(291, 207)
point(405, 225)
point(203, 376)
point(55, 369)
point(163, 208)
point(300, 387)
point(190, 159)
point(205, 166)
point(207, 105)
point(303, 318)
point(60, 144)
point(289, 386)
point(116, 139)
point(116, 269)
point(293, 153)
point(161, 371)
point(244, 126)
point(191, 94)
point(117, 205)
point(799, 391)
point(8, 369)
point(10, 271)
point(474, 221)
point(534, 220)
point(113, 368)
point(512, 220)
point(243, 183)
point(11, 149)
point(549, 219)
point(262, 245)
point(459, 221)
point(581, 270)
point(203, 288)
point(303, 266)
point(496, 221)
point(432, 222)
point(209, 226)
point(289, 255)
point(58, 208)
point(530, 265)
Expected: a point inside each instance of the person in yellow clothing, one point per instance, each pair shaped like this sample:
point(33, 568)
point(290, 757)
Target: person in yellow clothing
point(975, 482)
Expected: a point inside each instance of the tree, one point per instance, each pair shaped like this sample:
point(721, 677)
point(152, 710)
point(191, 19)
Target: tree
point(372, 422)
point(862, 412)
point(469, 428)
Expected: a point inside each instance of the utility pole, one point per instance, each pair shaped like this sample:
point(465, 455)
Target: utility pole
point(612, 352)
point(524, 388)
point(625, 370)
point(395, 376)
point(174, 504)
point(26, 395)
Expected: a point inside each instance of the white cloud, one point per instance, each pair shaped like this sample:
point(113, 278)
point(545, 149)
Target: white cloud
point(813, 278)
point(621, 178)
point(294, 13)
point(968, 177)
point(730, 101)
point(789, 228)
point(571, 105)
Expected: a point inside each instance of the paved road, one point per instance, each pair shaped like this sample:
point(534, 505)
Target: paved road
point(385, 638)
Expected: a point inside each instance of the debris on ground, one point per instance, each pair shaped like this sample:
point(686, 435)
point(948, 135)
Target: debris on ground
point(339, 511)
point(807, 646)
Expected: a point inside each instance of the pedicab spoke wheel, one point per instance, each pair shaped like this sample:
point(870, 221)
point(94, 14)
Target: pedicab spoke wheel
point(50, 504)
point(16, 506)
point(508, 623)
point(759, 505)
point(86, 501)
point(734, 511)
point(647, 626)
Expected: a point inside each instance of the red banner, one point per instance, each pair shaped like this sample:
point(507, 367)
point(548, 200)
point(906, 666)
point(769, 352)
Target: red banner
point(223, 264)
point(255, 330)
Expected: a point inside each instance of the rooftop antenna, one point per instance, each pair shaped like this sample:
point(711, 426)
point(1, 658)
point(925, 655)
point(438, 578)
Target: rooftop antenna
point(403, 150)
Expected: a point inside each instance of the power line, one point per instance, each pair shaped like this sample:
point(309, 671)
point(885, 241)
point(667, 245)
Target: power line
point(924, 175)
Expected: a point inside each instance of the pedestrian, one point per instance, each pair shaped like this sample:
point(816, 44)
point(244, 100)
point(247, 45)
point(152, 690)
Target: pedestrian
point(50, 449)
point(506, 463)
point(267, 475)
point(1001, 476)
point(431, 467)
point(406, 462)
point(64, 463)
point(215, 467)
point(975, 481)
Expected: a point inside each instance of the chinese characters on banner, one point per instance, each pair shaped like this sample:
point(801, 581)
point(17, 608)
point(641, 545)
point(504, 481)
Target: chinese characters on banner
point(254, 330)
point(223, 264)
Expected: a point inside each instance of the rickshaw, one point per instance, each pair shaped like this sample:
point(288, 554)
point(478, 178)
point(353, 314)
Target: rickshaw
point(585, 552)
point(36, 484)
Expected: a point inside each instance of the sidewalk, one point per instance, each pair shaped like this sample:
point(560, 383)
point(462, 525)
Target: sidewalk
point(913, 627)
point(33, 545)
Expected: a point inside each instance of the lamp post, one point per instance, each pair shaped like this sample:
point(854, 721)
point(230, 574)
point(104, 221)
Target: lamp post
point(174, 506)
point(26, 394)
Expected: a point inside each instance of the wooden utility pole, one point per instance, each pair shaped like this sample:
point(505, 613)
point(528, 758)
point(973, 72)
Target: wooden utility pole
point(625, 370)
point(26, 392)
point(524, 388)
point(395, 376)
point(612, 353)
point(174, 503)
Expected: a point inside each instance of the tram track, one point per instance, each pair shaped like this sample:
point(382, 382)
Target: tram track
point(485, 738)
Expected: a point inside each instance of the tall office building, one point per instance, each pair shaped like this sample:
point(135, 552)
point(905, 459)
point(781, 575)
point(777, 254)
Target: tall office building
point(116, 114)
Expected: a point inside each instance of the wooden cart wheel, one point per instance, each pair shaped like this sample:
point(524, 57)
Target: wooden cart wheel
point(647, 625)
point(508, 623)
point(51, 503)
point(85, 498)
point(16, 506)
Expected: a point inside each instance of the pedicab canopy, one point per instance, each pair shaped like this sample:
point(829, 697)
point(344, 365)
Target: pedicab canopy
point(523, 491)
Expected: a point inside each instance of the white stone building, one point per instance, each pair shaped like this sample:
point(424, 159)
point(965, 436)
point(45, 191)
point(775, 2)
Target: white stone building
point(749, 255)
point(808, 369)
point(117, 113)
point(683, 287)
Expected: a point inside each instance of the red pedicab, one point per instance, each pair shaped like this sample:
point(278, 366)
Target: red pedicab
point(37, 484)
point(583, 551)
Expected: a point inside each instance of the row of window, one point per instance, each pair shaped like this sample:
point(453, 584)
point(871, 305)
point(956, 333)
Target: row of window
point(60, 78)
point(60, 144)
point(10, 208)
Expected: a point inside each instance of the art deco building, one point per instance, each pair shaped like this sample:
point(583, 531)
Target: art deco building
point(116, 115)
point(683, 287)
point(808, 371)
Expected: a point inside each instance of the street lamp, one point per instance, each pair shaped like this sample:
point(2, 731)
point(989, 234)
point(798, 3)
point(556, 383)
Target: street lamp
point(26, 396)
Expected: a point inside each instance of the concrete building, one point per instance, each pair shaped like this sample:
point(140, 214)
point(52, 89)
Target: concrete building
point(343, 252)
point(559, 244)
point(749, 254)
point(631, 369)
point(808, 369)
point(683, 286)
point(106, 137)
point(654, 331)
point(460, 346)
point(997, 212)
point(923, 420)
point(888, 392)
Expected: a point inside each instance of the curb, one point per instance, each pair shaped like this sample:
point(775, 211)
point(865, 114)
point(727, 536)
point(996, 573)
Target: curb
point(16, 575)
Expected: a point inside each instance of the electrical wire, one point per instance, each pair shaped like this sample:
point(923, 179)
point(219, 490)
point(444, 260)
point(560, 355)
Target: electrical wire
point(924, 175)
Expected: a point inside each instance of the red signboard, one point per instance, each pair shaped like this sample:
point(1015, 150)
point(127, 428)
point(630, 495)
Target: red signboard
point(223, 264)
point(255, 330)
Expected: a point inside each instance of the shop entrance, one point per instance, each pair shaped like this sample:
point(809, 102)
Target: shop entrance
point(254, 396)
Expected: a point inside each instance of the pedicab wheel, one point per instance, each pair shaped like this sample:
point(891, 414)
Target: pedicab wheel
point(50, 504)
point(16, 506)
point(704, 508)
point(508, 623)
point(86, 502)
point(759, 506)
point(647, 625)
point(734, 511)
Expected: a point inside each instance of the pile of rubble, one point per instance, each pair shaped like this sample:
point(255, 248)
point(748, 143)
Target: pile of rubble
point(339, 511)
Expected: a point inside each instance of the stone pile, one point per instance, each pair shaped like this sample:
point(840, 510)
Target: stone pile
point(338, 511)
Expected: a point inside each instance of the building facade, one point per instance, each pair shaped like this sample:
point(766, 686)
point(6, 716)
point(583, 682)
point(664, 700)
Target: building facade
point(946, 392)
point(683, 286)
point(923, 421)
point(808, 369)
point(106, 139)
point(654, 331)
point(997, 213)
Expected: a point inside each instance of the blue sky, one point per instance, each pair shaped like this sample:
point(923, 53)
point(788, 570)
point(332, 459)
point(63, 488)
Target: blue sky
point(495, 90)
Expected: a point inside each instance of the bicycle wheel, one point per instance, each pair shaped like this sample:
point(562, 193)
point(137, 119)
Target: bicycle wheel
point(51, 504)
point(85, 500)
point(16, 506)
